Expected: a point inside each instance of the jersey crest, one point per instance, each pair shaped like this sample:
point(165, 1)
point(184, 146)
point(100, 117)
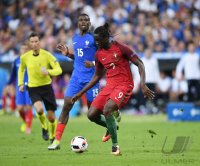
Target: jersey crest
point(116, 56)
point(87, 44)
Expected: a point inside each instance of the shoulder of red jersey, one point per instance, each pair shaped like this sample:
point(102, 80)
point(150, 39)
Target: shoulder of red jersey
point(97, 52)
point(126, 50)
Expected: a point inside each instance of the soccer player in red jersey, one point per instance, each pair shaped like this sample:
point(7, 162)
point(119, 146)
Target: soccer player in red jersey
point(114, 57)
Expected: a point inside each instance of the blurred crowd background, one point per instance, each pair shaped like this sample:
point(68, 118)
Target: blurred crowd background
point(162, 25)
point(165, 27)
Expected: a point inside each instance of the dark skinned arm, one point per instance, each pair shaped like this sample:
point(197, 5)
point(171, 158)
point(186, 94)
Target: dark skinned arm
point(99, 72)
point(133, 57)
point(64, 50)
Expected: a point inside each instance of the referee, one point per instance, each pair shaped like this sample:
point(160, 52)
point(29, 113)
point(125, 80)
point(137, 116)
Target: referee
point(41, 65)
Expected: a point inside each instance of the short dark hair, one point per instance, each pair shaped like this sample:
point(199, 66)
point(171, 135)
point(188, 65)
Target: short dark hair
point(34, 34)
point(103, 31)
point(84, 14)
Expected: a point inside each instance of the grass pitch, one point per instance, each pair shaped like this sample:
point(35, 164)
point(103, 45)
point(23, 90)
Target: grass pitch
point(141, 140)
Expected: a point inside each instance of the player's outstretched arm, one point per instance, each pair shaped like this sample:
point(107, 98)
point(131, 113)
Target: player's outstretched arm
point(145, 90)
point(96, 77)
point(64, 50)
point(94, 80)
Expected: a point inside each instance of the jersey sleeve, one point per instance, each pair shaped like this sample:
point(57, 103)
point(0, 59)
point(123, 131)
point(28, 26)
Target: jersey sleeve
point(21, 71)
point(127, 52)
point(55, 66)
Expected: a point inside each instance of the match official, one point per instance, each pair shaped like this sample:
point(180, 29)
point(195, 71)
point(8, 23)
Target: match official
point(41, 65)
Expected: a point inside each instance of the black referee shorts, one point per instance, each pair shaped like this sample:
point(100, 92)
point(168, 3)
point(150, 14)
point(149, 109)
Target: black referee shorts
point(43, 93)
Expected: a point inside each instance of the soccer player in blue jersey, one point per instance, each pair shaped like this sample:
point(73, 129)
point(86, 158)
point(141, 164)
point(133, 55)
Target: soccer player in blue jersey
point(23, 101)
point(84, 52)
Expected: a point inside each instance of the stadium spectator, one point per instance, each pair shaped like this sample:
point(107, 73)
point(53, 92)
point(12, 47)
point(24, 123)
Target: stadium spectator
point(137, 99)
point(179, 88)
point(190, 63)
point(163, 90)
point(152, 75)
point(168, 21)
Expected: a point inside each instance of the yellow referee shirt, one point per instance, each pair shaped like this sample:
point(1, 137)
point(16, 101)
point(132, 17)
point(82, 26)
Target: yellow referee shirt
point(34, 65)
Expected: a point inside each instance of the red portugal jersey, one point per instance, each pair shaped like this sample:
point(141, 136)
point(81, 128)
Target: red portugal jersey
point(116, 62)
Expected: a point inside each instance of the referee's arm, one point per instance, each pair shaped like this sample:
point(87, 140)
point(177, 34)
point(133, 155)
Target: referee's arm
point(55, 68)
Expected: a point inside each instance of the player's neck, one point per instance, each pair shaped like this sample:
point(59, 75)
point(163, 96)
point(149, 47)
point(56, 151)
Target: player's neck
point(106, 47)
point(83, 33)
point(36, 52)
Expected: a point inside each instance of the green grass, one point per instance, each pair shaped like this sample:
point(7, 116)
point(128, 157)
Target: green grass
point(137, 145)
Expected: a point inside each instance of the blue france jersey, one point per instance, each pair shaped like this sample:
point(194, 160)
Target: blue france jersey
point(22, 98)
point(14, 73)
point(84, 49)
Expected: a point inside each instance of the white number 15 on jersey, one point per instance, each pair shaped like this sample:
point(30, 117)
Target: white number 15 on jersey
point(80, 52)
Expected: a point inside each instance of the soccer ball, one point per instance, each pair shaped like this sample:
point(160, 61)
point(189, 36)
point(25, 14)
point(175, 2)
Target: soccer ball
point(79, 144)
